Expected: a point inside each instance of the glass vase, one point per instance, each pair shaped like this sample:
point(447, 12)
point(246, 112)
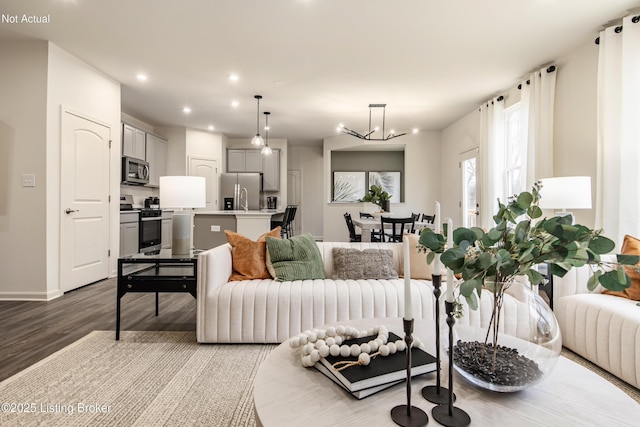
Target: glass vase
point(511, 342)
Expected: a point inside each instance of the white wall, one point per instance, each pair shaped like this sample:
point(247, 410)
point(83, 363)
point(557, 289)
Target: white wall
point(38, 79)
point(76, 85)
point(460, 137)
point(23, 89)
point(575, 125)
point(308, 160)
point(422, 179)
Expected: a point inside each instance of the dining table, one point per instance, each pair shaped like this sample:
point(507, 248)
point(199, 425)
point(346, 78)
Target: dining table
point(367, 225)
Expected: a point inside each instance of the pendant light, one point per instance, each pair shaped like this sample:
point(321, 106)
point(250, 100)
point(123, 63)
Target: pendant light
point(257, 140)
point(266, 150)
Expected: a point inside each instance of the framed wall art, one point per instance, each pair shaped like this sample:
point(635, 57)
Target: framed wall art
point(389, 181)
point(348, 187)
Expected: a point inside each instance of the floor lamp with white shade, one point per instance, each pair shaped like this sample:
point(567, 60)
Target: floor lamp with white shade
point(182, 192)
point(567, 192)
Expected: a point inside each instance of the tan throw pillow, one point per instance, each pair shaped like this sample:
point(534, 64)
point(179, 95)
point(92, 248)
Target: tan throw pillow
point(630, 246)
point(418, 261)
point(349, 263)
point(248, 257)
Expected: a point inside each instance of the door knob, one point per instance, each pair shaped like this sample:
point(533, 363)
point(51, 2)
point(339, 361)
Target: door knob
point(68, 211)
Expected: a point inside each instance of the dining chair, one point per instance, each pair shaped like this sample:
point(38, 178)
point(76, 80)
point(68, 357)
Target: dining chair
point(397, 227)
point(353, 237)
point(428, 218)
point(281, 220)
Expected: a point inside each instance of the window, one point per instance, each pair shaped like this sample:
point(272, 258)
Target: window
point(514, 152)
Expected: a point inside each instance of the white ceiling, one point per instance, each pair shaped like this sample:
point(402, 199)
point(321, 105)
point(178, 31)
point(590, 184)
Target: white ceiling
point(317, 63)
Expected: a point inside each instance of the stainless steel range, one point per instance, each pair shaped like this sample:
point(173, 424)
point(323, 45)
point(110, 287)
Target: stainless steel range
point(150, 225)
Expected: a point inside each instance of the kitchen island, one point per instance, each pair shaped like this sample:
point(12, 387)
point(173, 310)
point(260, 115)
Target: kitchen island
point(209, 226)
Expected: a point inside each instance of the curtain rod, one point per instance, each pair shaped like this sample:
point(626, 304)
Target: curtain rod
point(550, 69)
point(618, 29)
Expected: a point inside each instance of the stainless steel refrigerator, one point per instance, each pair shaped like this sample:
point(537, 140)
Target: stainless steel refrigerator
point(231, 185)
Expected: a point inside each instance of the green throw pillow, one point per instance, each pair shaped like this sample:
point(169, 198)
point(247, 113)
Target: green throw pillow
point(297, 258)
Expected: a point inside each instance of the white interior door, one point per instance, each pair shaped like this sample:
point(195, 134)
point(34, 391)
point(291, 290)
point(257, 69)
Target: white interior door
point(294, 197)
point(84, 199)
point(208, 169)
point(470, 204)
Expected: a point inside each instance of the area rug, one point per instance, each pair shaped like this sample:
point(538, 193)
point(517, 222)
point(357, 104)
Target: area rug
point(145, 379)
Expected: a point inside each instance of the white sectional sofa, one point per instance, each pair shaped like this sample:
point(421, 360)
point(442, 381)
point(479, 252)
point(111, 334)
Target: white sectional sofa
point(268, 311)
point(604, 329)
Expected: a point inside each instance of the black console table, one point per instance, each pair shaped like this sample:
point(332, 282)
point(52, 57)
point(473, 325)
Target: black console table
point(162, 272)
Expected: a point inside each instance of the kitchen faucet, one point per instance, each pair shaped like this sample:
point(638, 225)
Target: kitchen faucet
point(246, 199)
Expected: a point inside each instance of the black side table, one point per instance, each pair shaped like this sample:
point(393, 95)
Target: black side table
point(162, 272)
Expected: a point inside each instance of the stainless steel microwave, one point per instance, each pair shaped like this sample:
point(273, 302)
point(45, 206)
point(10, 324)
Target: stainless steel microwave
point(134, 171)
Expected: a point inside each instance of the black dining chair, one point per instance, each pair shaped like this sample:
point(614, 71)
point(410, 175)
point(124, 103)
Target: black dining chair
point(289, 221)
point(353, 237)
point(428, 218)
point(281, 220)
point(397, 227)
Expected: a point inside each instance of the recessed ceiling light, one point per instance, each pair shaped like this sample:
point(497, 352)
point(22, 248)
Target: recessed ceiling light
point(186, 110)
point(415, 130)
point(235, 104)
point(142, 77)
point(211, 127)
point(234, 77)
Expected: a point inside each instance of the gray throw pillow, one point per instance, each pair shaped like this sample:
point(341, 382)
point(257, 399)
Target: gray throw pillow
point(297, 258)
point(349, 263)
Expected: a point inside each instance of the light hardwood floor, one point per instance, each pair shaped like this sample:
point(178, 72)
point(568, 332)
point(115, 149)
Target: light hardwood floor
point(32, 330)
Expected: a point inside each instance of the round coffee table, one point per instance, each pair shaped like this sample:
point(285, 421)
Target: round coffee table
point(287, 394)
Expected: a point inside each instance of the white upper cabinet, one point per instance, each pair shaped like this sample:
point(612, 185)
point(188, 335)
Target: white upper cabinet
point(133, 142)
point(157, 158)
point(242, 160)
point(271, 171)
point(253, 161)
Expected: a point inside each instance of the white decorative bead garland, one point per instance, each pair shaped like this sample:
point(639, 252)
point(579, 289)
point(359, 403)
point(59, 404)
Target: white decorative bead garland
point(319, 343)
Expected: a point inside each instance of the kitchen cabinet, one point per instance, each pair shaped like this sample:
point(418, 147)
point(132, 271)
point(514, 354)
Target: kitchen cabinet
point(156, 156)
point(129, 233)
point(134, 142)
point(271, 171)
point(243, 160)
point(167, 229)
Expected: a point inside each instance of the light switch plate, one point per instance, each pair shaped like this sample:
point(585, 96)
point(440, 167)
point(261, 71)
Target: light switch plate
point(28, 180)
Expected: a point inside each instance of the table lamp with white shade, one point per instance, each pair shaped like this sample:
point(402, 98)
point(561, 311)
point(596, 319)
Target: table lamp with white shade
point(567, 192)
point(182, 192)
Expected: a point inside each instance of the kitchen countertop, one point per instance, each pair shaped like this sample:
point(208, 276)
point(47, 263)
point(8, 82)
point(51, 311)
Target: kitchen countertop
point(260, 213)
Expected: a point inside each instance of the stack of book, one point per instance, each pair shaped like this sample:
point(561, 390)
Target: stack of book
point(383, 372)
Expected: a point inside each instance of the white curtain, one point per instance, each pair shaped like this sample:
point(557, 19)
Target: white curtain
point(536, 109)
point(618, 179)
point(492, 149)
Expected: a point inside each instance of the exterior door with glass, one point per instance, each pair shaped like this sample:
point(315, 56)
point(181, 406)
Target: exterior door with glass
point(470, 204)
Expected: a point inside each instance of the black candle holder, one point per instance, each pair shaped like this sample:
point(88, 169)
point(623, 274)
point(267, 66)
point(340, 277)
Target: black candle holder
point(407, 415)
point(437, 393)
point(447, 414)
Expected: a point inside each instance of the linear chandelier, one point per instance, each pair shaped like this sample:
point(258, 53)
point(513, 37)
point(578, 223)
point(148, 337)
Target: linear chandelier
point(367, 136)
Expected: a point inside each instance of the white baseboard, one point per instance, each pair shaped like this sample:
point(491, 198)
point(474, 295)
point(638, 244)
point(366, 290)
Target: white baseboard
point(29, 296)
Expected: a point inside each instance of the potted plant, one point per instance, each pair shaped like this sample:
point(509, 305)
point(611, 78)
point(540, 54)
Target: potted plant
point(377, 196)
point(490, 261)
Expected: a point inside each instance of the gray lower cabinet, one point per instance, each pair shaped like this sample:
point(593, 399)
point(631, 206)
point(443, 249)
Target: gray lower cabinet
point(129, 233)
point(167, 229)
